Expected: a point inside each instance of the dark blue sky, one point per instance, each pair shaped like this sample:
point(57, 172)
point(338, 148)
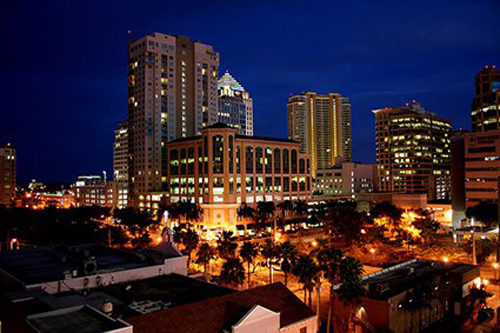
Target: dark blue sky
point(63, 65)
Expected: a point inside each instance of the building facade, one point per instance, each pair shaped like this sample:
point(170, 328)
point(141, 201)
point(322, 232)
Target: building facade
point(322, 125)
point(482, 167)
point(486, 103)
point(172, 93)
point(346, 179)
point(8, 177)
point(221, 169)
point(413, 151)
point(235, 105)
point(121, 155)
point(95, 190)
point(458, 177)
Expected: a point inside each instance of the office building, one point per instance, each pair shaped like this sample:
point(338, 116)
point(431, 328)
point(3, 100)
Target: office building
point(172, 93)
point(486, 103)
point(482, 167)
point(220, 169)
point(7, 174)
point(413, 151)
point(346, 178)
point(235, 105)
point(93, 190)
point(121, 155)
point(322, 125)
point(387, 306)
point(458, 177)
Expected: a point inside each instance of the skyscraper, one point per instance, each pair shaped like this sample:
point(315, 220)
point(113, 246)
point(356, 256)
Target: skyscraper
point(322, 125)
point(7, 174)
point(235, 105)
point(121, 155)
point(486, 103)
point(413, 151)
point(172, 93)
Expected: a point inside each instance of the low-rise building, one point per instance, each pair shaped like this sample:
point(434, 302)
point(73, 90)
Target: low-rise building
point(346, 178)
point(59, 269)
point(387, 306)
point(95, 190)
point(272, 308)
point(221, 169)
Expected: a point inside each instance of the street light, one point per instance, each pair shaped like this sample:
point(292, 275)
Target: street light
point(446, 260)
point(495, 270)
point(372, 251)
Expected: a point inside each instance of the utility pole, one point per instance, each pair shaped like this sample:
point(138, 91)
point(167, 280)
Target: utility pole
point(474, 258)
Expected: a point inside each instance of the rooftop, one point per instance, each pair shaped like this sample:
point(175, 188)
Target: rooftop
point(401, 277)
point(222, 312)
point(51, 264)
point(81, 319)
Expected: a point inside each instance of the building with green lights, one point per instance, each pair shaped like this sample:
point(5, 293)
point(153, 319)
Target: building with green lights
point(413, 151)
point(486, 103)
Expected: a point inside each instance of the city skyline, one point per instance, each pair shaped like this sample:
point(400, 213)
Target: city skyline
point(70, 112)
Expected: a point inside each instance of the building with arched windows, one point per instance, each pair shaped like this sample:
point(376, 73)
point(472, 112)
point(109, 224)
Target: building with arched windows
point(221, 169)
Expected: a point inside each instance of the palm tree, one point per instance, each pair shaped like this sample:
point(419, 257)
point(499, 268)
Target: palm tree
point(232, 273)
point(329, 260)
point(190, 241)
point(226, 245)
point(300, 208)
point(285, 207)
point(351, 288)
point(205, 254)
point(307, 271)
point(248, 252)
point(265, 211)
point(287, 253)
point(193, 212)
point(270, 254)
point(246, 213)
point(174, 212)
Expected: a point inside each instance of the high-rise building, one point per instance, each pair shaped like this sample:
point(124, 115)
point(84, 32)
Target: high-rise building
point(7, 174)
point(121, 155)
point(346, 178)
point(482, 167)
point(486, 103)
point(458, 177)
point(322, 125)
point(172, 93)
point(235, 105)
point(413, 151)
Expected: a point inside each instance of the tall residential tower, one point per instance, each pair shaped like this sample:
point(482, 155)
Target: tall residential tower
point(413, 151)
point(172, 93)
point(235, 105)
point(322, 125)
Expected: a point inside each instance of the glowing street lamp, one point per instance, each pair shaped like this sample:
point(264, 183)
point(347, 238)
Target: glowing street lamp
point(314, 243)
point(495, 270)
point(372, 251)
point(446, 260)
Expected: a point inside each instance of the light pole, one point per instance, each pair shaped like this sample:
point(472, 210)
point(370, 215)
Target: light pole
point(372, 251)
point(474, 259)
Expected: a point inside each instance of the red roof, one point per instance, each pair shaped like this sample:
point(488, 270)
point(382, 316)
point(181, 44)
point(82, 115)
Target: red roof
point(216, 314)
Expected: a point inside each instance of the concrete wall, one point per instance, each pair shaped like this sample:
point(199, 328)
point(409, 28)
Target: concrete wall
point(173, 265)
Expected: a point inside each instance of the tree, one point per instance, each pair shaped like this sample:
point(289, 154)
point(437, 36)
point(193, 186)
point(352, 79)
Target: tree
point(138, 222)
point(232, 273)
point(386, 209)
point(351, 288)
point(269, 253)
point(428, 227)
point(484, 212)
point(484, 248)
point(226, 245)
point(284, 207)
point(246, 213)
point(307, 271)
point(265, 211)
point(205, 254)
point(344, 223)
point(329, 260)
point(287, 253)
point(248, 253)
point(190, 240)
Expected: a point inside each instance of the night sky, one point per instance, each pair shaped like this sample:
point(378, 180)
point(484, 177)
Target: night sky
point(63, 65)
